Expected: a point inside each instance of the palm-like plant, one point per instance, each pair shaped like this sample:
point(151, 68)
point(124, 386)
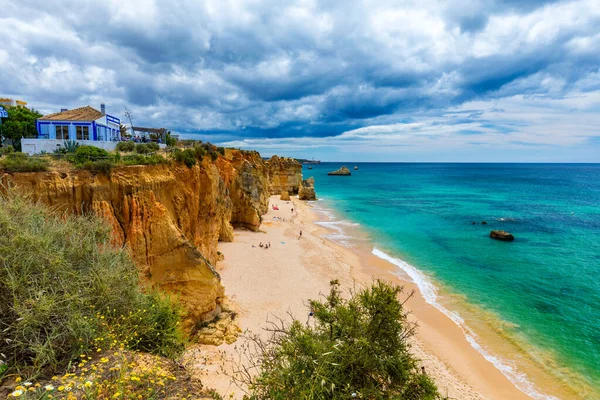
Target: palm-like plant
point(71, 146)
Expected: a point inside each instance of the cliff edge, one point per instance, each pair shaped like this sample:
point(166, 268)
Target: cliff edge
point(170, 216)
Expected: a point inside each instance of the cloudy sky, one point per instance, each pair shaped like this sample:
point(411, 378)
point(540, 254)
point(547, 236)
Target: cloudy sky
point(423, 80)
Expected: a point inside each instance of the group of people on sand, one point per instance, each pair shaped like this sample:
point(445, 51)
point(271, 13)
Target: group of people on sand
point(265, 246)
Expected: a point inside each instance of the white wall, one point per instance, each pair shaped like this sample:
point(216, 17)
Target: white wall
point(36, 146)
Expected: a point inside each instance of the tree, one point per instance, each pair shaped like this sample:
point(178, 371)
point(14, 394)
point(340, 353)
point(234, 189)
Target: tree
point(124, 131)
point(169, 140)
point(357, 348)
point(19, 124)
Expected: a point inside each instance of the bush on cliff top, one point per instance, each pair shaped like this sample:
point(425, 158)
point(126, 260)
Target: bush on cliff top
point(357, 348)
point(126, 146)
point(64, 289)
point(20, 162)
point(89, 153)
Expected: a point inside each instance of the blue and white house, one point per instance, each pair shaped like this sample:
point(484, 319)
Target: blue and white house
point(86, 125)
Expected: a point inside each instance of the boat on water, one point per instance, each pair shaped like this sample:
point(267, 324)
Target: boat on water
point(355, 168)
point(310, 167)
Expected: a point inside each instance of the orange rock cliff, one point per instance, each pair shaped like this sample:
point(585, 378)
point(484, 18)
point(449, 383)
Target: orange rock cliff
point(285, 175)
point(170, 216)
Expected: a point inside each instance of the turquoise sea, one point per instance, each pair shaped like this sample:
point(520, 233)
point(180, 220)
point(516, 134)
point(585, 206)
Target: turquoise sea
point(545, 284)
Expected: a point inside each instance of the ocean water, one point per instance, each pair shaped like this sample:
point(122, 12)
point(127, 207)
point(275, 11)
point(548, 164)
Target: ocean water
point(544, 286)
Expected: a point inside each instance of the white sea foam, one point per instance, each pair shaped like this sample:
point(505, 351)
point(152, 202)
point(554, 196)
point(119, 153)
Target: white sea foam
point(430, 293)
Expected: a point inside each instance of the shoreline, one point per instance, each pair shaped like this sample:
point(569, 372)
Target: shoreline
point(264, 283)
point(532, 371)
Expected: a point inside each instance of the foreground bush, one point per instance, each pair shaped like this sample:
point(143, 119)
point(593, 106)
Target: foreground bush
point(64, 289)
point(20, 162)
point(357, 348)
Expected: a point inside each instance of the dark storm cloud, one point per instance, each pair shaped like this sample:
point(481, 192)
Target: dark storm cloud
point(290, 69)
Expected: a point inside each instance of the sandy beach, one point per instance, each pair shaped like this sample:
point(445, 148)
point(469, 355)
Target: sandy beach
point(263, 284)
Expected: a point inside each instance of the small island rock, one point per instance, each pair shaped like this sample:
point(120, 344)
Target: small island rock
point(355, 168)
point(342, 171)
point(502, 235)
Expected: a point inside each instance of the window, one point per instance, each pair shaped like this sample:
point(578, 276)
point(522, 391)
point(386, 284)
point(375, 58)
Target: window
point(83, 132)
point(62, 132)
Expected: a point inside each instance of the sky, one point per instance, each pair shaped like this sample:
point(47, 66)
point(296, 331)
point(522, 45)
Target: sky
point(423, 80)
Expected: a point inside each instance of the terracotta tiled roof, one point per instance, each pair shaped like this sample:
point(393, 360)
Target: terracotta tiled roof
point(86, 113)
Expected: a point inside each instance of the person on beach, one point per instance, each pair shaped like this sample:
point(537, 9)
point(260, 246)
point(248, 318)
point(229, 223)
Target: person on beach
point(260, 245)
point(300, 235)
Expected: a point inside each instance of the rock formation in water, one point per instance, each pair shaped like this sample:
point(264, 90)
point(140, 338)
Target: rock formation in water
point(342, 171)
point(502, 235)
point(355, 168)
point(170, 216)
point(307, 189)
point(285, 174)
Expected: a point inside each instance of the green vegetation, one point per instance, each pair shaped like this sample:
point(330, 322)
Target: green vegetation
point(170, 141)
point(126, 146)
point(139, 159)
point(19, 124)
point(356, 348)
point(71, 146)
point(65, 290)
point(186, 156)
point(146, 148)
point(221, 150)
point(6, 150)
point(89, 153)
point(20, 162)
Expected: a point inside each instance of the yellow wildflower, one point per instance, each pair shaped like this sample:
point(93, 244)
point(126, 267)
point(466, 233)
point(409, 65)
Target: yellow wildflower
point(87, 384)
point(49, 388)
point(16, 393)
point(61, 388)
point(18, 380)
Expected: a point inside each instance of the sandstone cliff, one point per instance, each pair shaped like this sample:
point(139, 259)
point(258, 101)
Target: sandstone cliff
point(285, 175)
point(170, 216)
point(307, 189)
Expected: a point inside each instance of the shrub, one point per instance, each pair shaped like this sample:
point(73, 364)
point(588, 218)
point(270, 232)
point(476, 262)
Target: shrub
point(126, 146)
point(221, 150)
point(199, 152)
point(102, 166)
point(186, 156)
point(7, 150)
point(20, 162)
point(146, 148)
point(89, 153)
point(153, 146)
point(213, 155)
point(357, 348)
point(64, 289)
point(139, 159)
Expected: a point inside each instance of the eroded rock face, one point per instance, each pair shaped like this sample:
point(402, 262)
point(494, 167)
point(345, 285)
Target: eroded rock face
point(307, 189)
point(285, 196)
point(342, 171)
point(285, 174)
point(170, 216)
point(502, 235)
